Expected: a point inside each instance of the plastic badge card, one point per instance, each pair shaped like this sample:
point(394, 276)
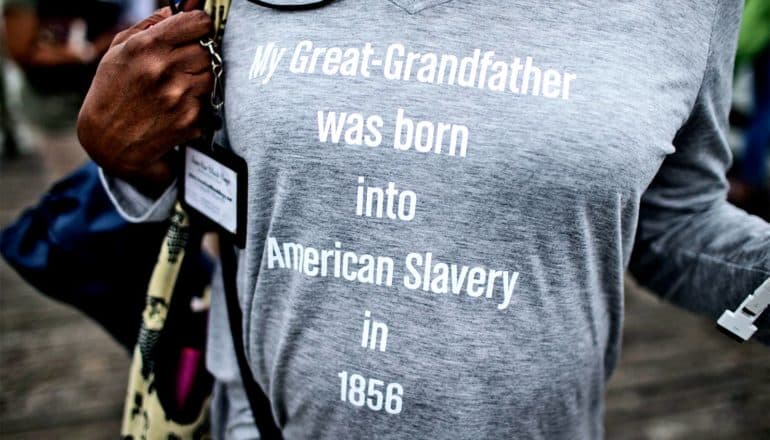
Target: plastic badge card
point(214, 185)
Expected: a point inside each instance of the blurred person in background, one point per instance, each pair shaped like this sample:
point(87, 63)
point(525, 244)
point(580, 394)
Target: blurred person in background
point(9, 148)
point(135, 11)
point(57, 46)
point(750, 185)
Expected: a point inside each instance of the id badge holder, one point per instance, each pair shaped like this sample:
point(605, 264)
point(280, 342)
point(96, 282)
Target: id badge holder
point(214, 188)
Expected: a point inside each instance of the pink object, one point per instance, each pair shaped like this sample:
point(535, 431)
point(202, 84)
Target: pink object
point(189, 365)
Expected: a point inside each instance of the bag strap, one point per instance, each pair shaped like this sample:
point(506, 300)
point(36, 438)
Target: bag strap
point(258, 401)
point(218, 10)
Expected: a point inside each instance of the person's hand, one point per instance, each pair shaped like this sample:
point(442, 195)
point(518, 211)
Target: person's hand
point(147, 97)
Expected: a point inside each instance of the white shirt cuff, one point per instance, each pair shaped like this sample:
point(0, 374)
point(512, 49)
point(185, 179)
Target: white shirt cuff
point(134, 206)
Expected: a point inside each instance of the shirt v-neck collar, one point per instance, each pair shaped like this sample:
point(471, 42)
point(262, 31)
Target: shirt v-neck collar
point(416, 6)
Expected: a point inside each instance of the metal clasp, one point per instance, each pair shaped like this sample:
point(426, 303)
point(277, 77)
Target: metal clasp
point(217, 67)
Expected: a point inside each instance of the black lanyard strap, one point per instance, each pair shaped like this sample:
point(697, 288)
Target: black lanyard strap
point(178, 5)
point(258, 400)
point(293, 7)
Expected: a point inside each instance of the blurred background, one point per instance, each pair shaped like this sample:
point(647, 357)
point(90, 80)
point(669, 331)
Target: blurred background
point(63, 377)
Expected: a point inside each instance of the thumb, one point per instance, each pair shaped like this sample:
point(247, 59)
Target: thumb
point(155, 18)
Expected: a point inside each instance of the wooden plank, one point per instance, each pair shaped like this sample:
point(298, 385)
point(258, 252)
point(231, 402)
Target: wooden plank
point(91, 429)
point(678, 378)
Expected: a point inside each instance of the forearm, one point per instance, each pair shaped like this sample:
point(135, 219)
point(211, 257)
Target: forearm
point(705, 261)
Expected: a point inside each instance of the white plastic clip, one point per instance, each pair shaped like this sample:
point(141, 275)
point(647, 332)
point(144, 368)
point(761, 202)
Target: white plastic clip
point(740, 323)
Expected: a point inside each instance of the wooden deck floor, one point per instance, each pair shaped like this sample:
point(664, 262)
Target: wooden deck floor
point(61, 377)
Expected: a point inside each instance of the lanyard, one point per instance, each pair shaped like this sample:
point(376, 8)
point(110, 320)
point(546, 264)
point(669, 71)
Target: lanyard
point(293, 7)
point(177, 5)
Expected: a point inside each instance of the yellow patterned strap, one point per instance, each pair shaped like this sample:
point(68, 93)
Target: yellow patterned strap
point(218, 10)
point(167, 268)
point(144, 416)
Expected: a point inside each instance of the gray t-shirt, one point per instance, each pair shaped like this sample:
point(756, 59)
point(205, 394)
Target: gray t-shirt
point(444, 196)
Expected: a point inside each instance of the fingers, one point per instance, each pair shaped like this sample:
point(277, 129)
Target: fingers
point(155, 18)
point(184, 91)
point(192, 58)
point(181, 29)
point(201, 84)
point(158, 101)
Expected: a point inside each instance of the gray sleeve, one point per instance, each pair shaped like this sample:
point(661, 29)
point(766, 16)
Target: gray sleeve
point(134, 206)
point(693, 247)
point(231, 417)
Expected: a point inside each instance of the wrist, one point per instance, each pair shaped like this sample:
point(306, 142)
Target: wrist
point(156, 180)
point(151, 189)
